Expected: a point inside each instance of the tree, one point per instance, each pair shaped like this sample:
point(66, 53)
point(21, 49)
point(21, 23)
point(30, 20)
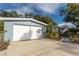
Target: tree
point(28, 15)
point(44, 19)
point(4, 13)
point(71, 13)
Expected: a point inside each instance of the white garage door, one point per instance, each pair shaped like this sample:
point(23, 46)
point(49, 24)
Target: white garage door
point(21, 32)
point(36, 32)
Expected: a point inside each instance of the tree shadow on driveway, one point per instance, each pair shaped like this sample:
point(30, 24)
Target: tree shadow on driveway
point(69, 48)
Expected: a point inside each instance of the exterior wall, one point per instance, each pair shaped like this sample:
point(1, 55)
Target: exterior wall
point(8, 27)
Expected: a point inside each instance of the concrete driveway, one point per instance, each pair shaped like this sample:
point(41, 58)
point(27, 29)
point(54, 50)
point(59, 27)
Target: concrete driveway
point(42, 48)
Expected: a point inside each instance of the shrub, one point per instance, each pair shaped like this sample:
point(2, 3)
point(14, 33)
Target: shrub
point(72, 30)
point(74, 38)
point(53, 35)
point(74, 35)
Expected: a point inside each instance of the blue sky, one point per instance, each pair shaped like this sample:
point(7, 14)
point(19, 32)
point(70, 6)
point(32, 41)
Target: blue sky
point(48, 9)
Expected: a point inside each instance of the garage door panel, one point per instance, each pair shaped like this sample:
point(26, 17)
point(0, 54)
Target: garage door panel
point(21, 32)
point(36, 32)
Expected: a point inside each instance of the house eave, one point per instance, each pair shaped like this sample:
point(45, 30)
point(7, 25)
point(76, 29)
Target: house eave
point(21, 19)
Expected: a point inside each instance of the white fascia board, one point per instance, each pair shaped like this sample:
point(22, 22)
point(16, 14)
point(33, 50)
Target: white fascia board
point(10, 18)
point(39, 22)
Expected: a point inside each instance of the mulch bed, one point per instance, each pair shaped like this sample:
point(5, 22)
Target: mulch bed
point(3, 46)
point(75, 41)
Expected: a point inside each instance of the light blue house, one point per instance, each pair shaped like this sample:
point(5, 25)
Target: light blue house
point(23, 29)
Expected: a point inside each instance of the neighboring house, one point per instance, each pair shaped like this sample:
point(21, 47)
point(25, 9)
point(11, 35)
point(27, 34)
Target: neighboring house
point(65, 25)
point(17, 29)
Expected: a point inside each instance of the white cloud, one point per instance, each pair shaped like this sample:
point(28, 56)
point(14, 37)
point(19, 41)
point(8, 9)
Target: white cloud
point(25, 9)
point(48, 7)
